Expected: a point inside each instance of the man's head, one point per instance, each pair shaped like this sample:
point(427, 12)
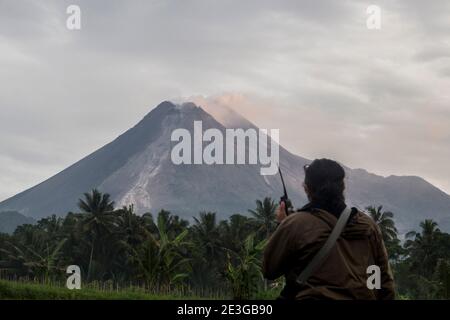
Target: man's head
point(324, 182)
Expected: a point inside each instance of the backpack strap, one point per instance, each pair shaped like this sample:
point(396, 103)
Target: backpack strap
point(320, 256)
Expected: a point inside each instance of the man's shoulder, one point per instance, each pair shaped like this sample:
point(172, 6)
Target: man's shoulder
point(300, 225)
point(306, 217)
point(364, 217)
point(300, 219)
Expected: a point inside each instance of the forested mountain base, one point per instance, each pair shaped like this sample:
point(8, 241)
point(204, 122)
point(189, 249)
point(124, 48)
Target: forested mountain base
point(126, 256)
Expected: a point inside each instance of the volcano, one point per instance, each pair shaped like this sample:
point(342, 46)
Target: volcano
point(136, 168)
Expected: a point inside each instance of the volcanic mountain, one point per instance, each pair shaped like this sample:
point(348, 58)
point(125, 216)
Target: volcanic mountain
point(136, 168)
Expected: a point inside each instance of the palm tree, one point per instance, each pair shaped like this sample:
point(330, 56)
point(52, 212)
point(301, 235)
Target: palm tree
point(174, 224)
point(206, 233)
point(207, 249)
point(386, 224)
point(422, 247)
point(130, 227)
point(96, 203)
point(264, 216)
point(385, 221)
point(98, 220)
point(235, 230)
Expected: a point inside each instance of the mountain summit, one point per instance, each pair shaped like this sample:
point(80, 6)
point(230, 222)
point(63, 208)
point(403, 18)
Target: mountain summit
point(136, 168)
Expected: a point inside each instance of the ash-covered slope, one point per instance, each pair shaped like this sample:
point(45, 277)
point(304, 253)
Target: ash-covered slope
point(59, 194)
point(136, 168)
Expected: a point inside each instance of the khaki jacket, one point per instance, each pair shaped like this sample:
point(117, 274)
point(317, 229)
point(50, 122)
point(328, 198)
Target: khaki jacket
point(343, 274)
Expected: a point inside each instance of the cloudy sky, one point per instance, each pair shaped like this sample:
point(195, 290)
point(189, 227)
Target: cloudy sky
point(376, 99)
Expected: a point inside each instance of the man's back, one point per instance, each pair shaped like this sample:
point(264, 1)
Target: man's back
point(343, 274)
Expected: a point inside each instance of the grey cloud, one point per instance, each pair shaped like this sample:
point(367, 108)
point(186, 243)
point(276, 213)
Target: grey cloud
point(63, 94)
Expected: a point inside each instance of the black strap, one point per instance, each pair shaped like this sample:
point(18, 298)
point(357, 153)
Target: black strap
point(326, 248)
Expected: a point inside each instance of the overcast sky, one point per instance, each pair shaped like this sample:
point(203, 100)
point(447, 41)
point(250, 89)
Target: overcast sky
point(373, 99)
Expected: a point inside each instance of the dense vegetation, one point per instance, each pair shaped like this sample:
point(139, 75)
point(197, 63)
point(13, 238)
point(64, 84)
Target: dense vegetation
point(164, 254)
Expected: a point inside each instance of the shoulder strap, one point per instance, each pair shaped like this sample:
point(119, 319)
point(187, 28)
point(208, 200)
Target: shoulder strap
point(326, 248)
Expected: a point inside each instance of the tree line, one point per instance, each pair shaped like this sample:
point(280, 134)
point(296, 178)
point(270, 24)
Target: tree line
point(166, 252)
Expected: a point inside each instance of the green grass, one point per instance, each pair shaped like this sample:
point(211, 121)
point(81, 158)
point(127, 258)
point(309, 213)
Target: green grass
point(270, 294)
point(29, 290)
point(32, 291)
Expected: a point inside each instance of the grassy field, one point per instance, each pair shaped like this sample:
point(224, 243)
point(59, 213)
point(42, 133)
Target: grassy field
point(33, 291)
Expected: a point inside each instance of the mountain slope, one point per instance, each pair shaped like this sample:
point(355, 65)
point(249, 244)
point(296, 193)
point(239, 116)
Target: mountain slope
point(10, 220)
point(136, 168)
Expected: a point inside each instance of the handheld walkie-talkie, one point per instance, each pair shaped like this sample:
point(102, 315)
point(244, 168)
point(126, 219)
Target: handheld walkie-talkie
point(284, 198)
